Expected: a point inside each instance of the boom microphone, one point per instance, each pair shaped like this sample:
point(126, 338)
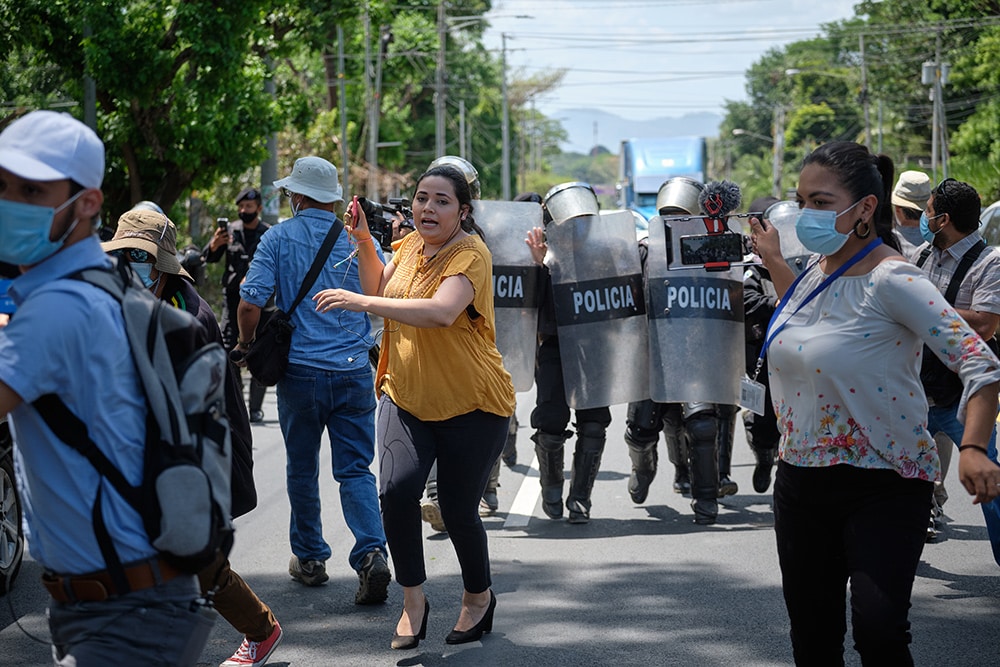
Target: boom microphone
point(720, 198)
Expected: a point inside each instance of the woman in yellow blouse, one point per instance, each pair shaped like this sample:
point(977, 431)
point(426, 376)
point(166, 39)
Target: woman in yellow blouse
point(444, 393)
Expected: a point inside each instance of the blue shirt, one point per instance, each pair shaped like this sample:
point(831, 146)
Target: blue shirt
point(335, 341)
point(68, 338)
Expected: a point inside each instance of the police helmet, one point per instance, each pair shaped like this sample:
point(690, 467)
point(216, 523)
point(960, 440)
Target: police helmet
point(679, 194)
point(464, 167)
point(571, 200)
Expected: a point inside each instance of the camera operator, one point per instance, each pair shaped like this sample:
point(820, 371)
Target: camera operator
point(238, 244)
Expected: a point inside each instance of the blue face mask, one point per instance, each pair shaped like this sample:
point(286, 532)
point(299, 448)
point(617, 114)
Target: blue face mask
point(24, 231)
point(817, 230)
point(143, 270)
point(925, 227)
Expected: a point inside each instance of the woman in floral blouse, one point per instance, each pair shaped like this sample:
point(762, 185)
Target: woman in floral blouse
point(853, 487)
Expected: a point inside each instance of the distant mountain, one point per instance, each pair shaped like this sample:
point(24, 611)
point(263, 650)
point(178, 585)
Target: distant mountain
point(610, 129)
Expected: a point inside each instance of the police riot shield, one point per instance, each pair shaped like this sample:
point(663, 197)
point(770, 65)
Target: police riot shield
point(783, 215)
point(600, 311)
point(516, 280)
point(695, 292)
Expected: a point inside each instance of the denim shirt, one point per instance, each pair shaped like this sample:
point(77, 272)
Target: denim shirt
point(336, 341)
point(68, 338)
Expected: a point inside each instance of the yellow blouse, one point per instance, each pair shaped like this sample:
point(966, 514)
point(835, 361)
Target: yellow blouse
point(442, 372)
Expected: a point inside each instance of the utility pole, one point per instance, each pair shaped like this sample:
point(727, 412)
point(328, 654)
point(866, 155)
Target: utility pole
point(864, 93)
point(439, 85)
point(345, 168)
point(371, 191)
point(269, 168)
point(935, 75)
point(505, 125)
point(462, 148)
point(778, 131)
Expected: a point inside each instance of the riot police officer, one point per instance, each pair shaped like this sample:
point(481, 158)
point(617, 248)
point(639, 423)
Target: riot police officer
point(551, 414)
point(699, 435)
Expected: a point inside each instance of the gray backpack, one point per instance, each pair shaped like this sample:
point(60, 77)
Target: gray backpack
point(184, 497)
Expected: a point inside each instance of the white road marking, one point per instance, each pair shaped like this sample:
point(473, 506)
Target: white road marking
point(527, 497)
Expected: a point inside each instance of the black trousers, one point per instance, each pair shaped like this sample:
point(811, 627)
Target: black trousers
point(551, 413)
point(465, 448)
point(840, 526)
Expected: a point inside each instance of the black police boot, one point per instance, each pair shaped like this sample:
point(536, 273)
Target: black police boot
point(762, 471)
point(700, 431)
point(549, 450)
point(257, 391)
point(724, 438)
point(678, 455)
point(590, 439)
point(509, 454)
point(490, 502)
point(644, 461)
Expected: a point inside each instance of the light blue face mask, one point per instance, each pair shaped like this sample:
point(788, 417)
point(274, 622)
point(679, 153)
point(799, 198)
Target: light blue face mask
point(143, 270)
point(817, 230)
point(25, 228)
point(925, 227)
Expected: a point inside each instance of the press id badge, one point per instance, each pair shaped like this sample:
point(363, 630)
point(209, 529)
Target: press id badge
point(752, 395)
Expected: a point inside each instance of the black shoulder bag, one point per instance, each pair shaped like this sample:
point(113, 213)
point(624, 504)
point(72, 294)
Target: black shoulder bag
point(942, 384)
point(267, 358)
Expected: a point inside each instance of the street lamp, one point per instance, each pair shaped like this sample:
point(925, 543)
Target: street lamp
point(739, 132)
point(778, 143)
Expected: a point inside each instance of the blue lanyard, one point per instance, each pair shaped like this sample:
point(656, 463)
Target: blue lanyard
point(861, 254)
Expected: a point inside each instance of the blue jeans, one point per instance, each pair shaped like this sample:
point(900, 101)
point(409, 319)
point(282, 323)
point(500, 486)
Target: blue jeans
point(161, 626)
point(946, 421)
point(309, 400)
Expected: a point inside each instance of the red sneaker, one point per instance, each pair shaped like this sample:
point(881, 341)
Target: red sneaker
point(254, 654)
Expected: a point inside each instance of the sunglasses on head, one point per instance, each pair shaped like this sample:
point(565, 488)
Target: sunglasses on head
point(134, 255)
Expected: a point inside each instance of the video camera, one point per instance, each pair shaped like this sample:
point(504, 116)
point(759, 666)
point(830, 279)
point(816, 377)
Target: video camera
point(380, 217)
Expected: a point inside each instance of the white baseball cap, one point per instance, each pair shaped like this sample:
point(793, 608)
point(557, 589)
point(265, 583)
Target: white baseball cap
point(51, 146)
point(315, 178)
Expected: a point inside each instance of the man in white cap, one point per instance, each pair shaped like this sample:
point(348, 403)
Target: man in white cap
point(909, 199)
point(329, 382)
point(68, 338)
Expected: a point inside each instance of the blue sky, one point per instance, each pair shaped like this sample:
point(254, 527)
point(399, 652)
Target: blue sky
point(643, 59)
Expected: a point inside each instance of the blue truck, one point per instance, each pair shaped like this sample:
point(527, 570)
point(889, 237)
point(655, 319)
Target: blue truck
point(644, 164)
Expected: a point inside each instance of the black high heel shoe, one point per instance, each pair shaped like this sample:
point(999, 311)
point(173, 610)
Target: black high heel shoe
point(476, 632)
point(401, 642)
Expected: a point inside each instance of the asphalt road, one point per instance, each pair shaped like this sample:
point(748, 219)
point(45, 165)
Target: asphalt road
point(638, 585)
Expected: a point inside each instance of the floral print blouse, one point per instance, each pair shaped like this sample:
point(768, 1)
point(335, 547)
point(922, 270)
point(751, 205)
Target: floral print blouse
point(845, 370)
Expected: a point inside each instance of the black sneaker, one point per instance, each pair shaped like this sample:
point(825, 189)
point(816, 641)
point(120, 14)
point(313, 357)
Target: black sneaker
point(308, 572)
point(375, 577)
point(256, 416)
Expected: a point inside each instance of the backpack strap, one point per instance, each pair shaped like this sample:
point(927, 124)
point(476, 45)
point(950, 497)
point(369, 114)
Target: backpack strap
point(317, 265)
point(72, 431)
point(970, 256)
point(924, 254)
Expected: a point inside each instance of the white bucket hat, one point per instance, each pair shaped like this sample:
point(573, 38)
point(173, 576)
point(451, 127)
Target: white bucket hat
point(912, 190)
point(315, 178)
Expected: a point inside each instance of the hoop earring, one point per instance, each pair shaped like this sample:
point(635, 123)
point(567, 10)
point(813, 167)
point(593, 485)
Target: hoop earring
point(857, 230)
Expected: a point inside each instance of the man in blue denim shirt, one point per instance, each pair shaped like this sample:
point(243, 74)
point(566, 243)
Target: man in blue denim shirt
point(329, 380)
